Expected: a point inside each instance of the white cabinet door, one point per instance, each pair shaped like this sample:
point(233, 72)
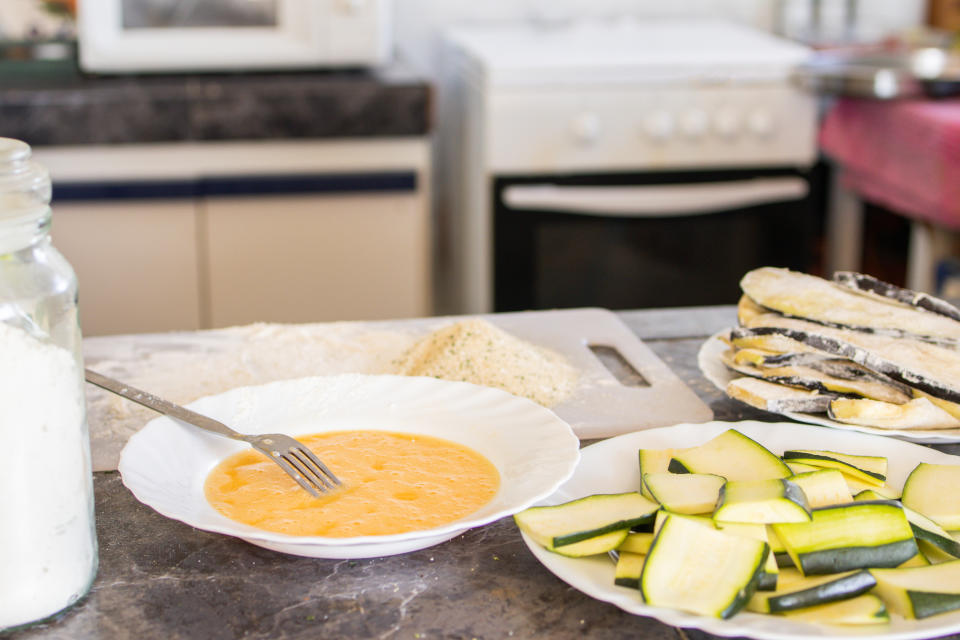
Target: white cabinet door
point(314, 258)
point(136, 262)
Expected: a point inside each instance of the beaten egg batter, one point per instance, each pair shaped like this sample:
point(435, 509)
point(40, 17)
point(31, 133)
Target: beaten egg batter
point(393, 483)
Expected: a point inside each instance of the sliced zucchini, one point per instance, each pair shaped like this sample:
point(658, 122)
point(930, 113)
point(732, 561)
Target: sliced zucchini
point(823, 487)
point(629, 568)
point(565, 524)
point(778, 548)
point(845, 376)
point(731, 455)
point(924, 529)
point(920, 560)
point(863, 609)
point(858, 535)
point(800, 467)
point(696, 568)
point(931, 368)
point(777, 398)
point(920, 592)
point(952, 408)
point(869, 469)
point(652, 461)
point(802, 295)
point(771, 571)
point(747, 309)
point(762, 501)
point(636, 543)
point(885, 490)
point(689, 493)
point(810, 591)
point(752, 357)
point(592, 546)
point(931, 489)
point(745, 338)
point(919, 413)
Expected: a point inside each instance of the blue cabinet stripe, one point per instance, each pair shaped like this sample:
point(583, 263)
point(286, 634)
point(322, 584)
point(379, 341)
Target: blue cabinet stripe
point(331, 183)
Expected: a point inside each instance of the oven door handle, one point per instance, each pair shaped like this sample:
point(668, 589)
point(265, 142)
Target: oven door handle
point(648, 201)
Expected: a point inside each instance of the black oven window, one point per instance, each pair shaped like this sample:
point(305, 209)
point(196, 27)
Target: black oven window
point(545, 260)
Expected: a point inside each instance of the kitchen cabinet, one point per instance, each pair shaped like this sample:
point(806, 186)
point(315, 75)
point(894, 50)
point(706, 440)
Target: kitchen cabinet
point(308, 259)
point(235, 233)
point(137, 262)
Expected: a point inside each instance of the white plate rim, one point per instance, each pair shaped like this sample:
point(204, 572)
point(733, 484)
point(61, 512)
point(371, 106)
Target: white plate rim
point(713, 369)
point(602, 461)
point(559, 448)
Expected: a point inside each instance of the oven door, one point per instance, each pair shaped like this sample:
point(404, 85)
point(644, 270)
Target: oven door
point(626, 241)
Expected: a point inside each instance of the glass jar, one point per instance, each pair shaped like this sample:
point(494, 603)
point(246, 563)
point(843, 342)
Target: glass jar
point(48, 547)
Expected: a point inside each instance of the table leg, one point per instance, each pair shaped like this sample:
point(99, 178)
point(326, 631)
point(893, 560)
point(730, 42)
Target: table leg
point(844, 227)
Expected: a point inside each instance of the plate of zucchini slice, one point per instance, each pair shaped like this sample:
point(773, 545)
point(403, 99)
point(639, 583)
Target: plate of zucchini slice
point(761, 530)
point(852, 352)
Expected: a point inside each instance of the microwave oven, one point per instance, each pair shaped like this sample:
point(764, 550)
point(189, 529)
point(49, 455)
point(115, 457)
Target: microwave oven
point(166, 36)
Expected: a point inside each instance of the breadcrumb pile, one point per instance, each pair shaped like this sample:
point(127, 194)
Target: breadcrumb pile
point(478, 352)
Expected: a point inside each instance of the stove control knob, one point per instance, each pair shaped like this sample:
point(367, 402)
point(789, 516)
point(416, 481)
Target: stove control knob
point(694, 123)
point(586, 128)
point(658, 125)
point(727, 123)
point(760, 122)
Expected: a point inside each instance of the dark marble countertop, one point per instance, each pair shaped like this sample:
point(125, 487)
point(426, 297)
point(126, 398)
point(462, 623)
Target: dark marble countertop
point(159, 578)
point(79, 109)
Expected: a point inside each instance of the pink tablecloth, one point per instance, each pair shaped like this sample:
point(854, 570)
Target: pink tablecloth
point(904, 155)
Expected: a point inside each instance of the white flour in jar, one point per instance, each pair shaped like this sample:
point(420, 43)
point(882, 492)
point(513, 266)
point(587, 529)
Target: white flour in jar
point(47, 556)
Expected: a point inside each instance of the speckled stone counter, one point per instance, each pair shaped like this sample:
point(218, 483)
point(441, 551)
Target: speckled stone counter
point(159, 578)
point(76, 110)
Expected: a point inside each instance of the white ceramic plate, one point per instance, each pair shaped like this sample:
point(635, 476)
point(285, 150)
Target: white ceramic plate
point(610, 466)
point(166, 463)
point(716, 372)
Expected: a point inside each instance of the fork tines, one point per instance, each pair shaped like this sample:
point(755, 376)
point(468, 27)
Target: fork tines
point(298, 462)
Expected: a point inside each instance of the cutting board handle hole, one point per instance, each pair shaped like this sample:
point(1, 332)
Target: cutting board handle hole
point(618, 366)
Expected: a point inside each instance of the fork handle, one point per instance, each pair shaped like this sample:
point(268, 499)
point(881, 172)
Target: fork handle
point(159, 404)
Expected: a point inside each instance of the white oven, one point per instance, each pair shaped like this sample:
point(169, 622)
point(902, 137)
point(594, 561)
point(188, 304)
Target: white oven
point(620, 164)
point(152, 36)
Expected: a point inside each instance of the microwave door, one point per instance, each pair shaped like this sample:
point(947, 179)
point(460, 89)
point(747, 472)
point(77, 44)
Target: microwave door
point(628, 246)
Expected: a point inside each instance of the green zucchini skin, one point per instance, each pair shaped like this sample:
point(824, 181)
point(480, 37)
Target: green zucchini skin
point(676, 466)
point(842, 588)
point(865, 609)
point(814, 458)
point(883, 556)
point(926, 604)
point(816, 549)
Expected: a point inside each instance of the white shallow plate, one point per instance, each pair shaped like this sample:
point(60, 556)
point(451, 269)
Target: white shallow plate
point(166, 463)
point(610, 466)
point(712, 367)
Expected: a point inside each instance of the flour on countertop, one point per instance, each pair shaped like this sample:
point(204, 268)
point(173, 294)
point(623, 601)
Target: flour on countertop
point(476, 351)
point(249, 355)
point(183, 367)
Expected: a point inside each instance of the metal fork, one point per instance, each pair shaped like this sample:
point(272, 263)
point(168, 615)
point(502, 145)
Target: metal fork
point(293, 457)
